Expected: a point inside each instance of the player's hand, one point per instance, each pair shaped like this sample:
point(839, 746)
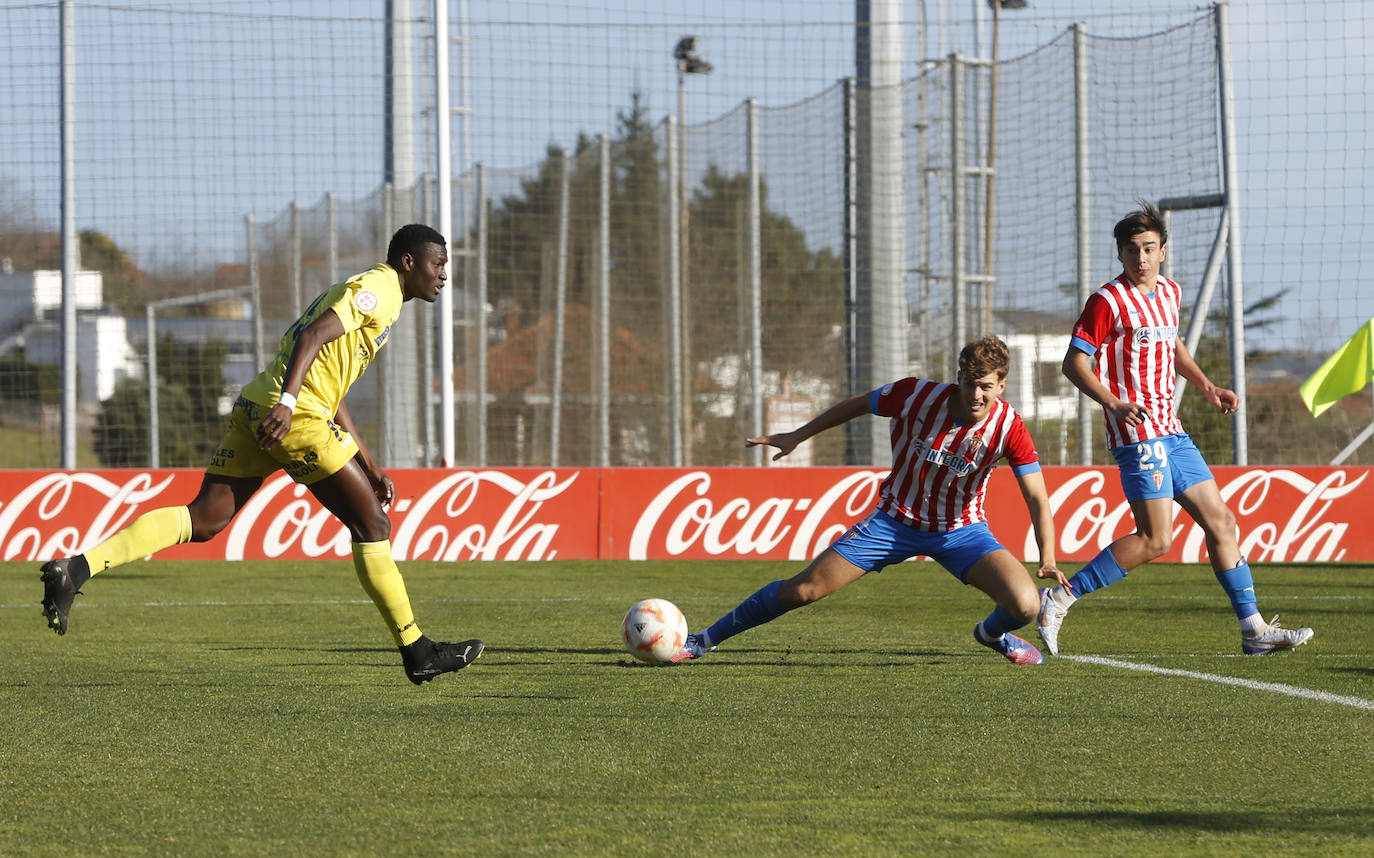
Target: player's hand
point(274, 427)
point(383, 487)
point(785, 442)
point(1132, 413)
point(1225, 400)
point(1051, 571)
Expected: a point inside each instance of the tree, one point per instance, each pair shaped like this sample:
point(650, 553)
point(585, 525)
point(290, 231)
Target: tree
point(1209, 428)
point(802, 294)
point(190, 385)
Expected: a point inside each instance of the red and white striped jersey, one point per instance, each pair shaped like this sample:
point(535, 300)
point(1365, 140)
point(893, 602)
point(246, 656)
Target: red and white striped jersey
point(940, 467)
point(1134, 337)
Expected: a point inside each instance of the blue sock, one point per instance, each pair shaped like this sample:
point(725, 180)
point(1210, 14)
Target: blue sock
point(998, 623)
point(1101, 571)
point(1240, 589)
point(753, 611)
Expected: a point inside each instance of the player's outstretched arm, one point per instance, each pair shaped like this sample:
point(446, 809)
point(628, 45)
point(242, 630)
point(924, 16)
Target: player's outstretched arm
point(837, 414)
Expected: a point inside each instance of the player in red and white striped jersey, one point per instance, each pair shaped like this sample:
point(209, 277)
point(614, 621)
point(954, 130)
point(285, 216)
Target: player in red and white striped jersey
point(946, 439)
point(1125, 353)
point(940, 466)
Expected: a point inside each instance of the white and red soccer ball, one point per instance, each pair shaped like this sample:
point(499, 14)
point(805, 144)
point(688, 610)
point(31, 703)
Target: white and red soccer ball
point(654, 630)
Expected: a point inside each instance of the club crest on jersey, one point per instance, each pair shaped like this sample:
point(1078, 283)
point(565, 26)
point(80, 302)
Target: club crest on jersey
point(1158, 479)
point(365, 301)
point(972, 445)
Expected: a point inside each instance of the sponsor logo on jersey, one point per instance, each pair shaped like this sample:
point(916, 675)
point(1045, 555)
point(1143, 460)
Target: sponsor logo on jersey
point(1156, 333)
point(950, 459)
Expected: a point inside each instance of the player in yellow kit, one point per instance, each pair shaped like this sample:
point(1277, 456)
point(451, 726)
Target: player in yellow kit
point(293, 417)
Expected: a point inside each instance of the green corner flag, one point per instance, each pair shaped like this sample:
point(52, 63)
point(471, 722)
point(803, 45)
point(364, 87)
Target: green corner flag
point(1345, 372)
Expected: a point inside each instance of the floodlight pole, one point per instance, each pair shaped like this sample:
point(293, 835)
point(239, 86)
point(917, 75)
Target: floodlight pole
point(988, 219)
point(685, 313)
point(688, 62)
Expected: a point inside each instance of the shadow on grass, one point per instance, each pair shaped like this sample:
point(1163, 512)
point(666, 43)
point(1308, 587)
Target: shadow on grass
point(1358, 671)
point(1347, 820)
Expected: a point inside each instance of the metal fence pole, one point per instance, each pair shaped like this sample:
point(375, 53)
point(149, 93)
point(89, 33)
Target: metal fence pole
point(856, 437)
point(560, 298)
point(1240, 444)
point(71, 261)
point(154, 431)
point(958, 299)
point(1082, 193)
point(297, 287)
point(674, 301)
point(755, 283)
point(255, 291)
point(332, 228)
point(603, 301)
point(483, 335)
point(443, 118)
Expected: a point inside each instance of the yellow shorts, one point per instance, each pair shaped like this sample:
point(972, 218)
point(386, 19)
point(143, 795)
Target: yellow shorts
point(312, 450)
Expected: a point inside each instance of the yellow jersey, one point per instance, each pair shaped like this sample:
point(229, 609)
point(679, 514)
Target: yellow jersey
point(368, 304)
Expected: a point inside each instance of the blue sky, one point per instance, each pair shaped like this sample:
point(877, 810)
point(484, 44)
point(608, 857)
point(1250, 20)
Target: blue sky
point(171, 146)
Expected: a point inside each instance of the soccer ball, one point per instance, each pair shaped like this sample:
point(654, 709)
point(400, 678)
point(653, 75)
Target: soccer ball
point(654, 630)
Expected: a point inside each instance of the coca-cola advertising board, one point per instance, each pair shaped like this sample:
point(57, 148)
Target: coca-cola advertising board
point(1302, 514)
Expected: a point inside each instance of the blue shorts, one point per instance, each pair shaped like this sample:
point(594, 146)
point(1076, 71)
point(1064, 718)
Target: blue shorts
point(881, 540)
point(1162, 467)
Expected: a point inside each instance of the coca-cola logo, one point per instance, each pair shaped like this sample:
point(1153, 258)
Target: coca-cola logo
point(687, 516)
point(36, 521)
point(1303, 533)
point(519, 532)
point(1283, 515)
point(446, 522)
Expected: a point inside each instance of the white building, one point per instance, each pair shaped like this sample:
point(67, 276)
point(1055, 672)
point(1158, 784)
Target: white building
point(30, 308)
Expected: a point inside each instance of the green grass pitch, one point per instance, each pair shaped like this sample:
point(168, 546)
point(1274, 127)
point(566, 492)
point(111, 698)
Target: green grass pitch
point(259, 709)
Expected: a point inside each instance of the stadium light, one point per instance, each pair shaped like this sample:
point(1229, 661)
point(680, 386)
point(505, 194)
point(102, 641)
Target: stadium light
point(688, 62)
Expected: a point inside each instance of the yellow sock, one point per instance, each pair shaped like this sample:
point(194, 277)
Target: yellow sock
point(381, 579)
point(148, 534)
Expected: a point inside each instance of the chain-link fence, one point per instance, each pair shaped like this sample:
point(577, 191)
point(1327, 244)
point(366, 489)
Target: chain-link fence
point(649, 296)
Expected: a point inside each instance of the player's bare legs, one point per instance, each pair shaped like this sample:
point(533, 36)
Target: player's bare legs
point(220, 498)
point(1204, 503)
point(1153, 537)
point(350, 496)
point(823, 576)
point(214, 506)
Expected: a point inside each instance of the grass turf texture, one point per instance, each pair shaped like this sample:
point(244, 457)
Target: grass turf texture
point(259, 709)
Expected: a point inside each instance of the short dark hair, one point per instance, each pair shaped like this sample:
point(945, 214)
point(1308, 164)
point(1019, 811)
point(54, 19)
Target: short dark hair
point(981, 357)
point(1144, 219)
point(409, 238)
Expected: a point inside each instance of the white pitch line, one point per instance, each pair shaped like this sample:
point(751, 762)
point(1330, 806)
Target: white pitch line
point(1278, 688)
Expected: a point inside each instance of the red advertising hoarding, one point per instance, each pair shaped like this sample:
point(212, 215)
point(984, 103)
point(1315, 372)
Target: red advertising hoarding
point(1303, 514)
